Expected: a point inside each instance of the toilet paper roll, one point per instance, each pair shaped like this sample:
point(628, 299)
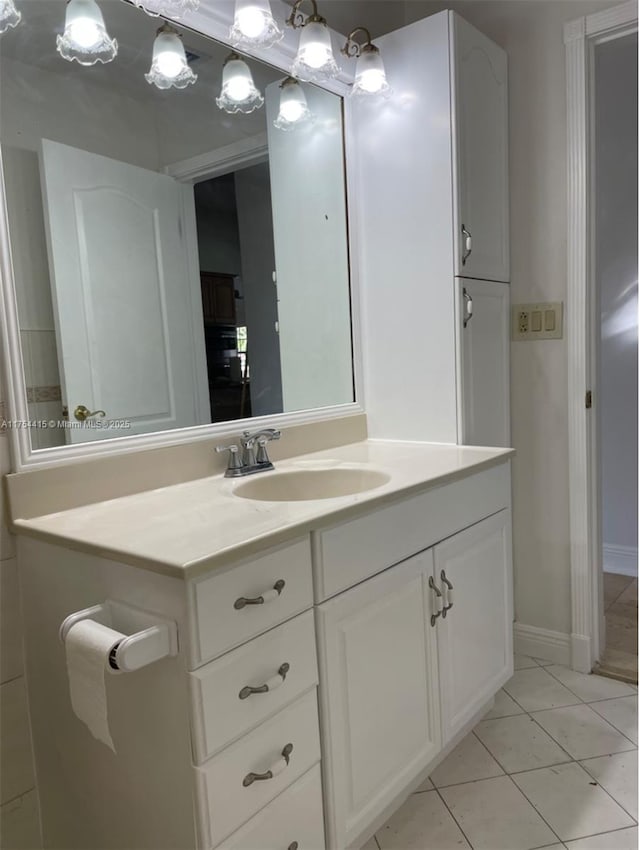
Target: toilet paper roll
point(88, 645)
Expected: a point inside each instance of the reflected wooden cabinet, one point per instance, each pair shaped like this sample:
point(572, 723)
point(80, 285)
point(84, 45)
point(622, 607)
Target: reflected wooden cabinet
point(218, 298)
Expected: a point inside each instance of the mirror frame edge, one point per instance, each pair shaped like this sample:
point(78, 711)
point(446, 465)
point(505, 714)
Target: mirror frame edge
point(212, 23)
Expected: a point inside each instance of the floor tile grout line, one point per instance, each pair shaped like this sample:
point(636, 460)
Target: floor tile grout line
point(375, 838)
point(600, 785)
point(573, 758)
point(586, 702)
point(455, 820)
point(535, 808)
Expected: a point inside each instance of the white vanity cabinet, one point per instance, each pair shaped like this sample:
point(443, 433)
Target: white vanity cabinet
point(315, 680)
point(433, 217)
point(410, 658)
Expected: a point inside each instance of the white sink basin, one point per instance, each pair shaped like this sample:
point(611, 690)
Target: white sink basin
point(307, 484)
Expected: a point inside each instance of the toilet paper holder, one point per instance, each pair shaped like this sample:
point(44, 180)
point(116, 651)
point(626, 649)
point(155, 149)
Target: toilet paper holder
point(145, 637)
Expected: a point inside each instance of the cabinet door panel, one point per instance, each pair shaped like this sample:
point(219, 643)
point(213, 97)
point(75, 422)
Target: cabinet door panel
point(379, 695)
point(475, 644)
point(481, 140)
point(483, 363)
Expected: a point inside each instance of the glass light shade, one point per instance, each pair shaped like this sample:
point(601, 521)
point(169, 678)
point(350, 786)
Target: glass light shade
point(167, 8)
point(370, 78)
point(239, 93)
point(85, 38)
point(253, 24)
point(314, 60)
point(169, 66)
point(9, 15)
point(294, 110)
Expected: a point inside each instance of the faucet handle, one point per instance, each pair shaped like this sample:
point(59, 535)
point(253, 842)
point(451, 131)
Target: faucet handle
point(234, 459)
point(262, 456)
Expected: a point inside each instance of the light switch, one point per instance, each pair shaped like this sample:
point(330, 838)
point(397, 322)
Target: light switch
point(549, 320)
point(536, 321)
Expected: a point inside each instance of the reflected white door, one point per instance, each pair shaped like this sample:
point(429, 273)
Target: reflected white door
point(126, 293)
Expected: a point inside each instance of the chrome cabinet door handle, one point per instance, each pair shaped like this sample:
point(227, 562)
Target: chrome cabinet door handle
point(268, 596)
point(466, 250)
point(274, 770)
point(468, 308)
point(439, 602)
point(448, 593)
point(270, 685)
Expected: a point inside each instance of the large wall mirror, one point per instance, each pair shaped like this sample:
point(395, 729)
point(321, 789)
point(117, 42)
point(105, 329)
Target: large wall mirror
point(175, 263)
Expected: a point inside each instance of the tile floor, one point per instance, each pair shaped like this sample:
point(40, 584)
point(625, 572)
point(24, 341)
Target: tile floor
point(620, 657)
point(554, 764)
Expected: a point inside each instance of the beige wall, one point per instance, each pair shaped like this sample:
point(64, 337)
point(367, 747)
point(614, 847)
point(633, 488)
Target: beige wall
point(19, 826)
point(531, 31)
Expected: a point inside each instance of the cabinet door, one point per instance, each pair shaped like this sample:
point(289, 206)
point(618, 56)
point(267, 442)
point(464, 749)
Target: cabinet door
point(479, 70)
point(483, 363)
point(475, 645)
point(379, 700)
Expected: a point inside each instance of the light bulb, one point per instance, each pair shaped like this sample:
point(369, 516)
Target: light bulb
point(85, 32)
point(9, 15)
point(253, 24)
point(239, 93)
point(85, 38)
point(370, 78)
point(169, 66)
point(294, 110)
point(314, 60)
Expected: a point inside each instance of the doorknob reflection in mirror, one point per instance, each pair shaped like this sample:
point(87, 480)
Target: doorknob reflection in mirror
point(83, 413)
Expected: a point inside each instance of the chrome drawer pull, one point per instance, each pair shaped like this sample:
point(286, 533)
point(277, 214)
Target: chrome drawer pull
point(277, 768)
point(439, 601)
point(270, 685)
point(269, 596)
point(466, 245)
point(448, 592)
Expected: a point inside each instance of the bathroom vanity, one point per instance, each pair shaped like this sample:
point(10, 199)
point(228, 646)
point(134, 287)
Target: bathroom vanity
point(330, 651)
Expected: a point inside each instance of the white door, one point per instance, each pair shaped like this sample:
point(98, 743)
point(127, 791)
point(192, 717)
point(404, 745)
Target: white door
point(475, 645)
point(379, 695)
point(126, 293)
point(482, 154)
point(308, 199)
point(483, 362)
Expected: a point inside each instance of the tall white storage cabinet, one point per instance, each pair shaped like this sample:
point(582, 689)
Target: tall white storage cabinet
point(432, 172)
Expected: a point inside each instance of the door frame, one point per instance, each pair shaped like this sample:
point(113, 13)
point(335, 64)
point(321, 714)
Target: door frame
point(580, 37)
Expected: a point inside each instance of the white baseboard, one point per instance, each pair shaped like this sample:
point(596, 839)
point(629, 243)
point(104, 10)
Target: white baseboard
point(620, 559)
point(542, 643)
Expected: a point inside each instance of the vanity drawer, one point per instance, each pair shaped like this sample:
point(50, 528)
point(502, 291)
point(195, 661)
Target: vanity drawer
point(355, 550)
point(224, 801)
point(220, 715)
point(293, 818)
point(221, 618)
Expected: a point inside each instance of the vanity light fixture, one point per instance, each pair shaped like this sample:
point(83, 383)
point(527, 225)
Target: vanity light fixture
point(370, 76)
point(294, 110)
point(85, 37)
point(169, 66)
point(9, 15)
point(167, 8)
point(254, 25)
point(314, 60)
point(239, 93)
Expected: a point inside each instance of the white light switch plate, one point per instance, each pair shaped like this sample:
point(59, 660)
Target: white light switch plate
point(537, 321)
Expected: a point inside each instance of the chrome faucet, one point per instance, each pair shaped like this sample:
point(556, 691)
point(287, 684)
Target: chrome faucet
point(252, 459)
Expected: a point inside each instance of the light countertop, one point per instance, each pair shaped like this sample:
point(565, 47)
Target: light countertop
point(186, 529)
